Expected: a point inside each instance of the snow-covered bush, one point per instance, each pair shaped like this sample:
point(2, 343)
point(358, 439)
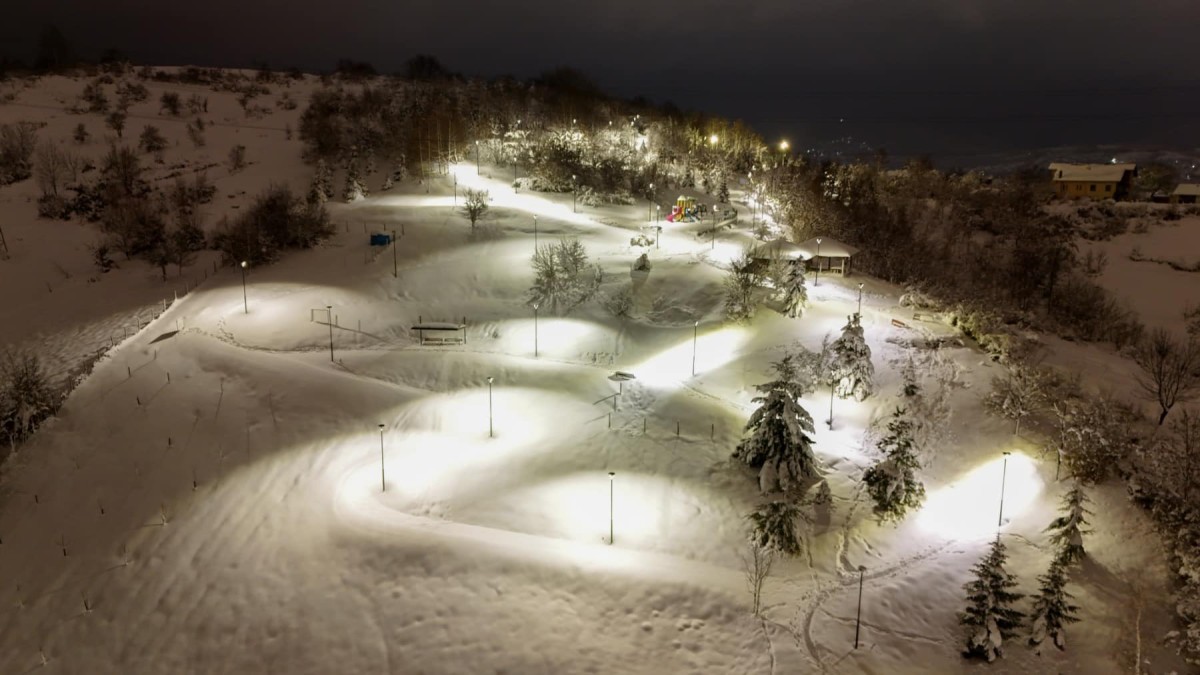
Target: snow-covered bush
point(989, 616)
point(170, 103)
point(26, 395)
point(237, 158)
point(619, 302)
point(1019, 393)
point(275, 222)
point(812, 367)
point(892, 482)
point(1095, 436)
point(475, 205)
point(17, 142)
point(773, 526)
point(151, 140)
point(779, 442)
point(740, 285)
point(563, 277)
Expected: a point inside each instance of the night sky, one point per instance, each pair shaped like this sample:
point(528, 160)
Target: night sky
point(947, 77)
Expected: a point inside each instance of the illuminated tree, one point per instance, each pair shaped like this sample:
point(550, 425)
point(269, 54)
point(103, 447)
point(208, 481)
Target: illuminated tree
point(852, 371)
point(475, 204)
point(774, 527)
point(892, 482)
point(1066, 530)
point(779, 443)
point(989, 617)
point(797, 294)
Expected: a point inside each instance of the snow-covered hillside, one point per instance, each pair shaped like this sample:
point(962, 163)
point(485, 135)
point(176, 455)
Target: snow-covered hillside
point(220, 496)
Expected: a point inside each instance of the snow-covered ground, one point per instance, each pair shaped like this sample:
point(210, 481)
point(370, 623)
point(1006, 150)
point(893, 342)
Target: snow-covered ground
point(210, 500)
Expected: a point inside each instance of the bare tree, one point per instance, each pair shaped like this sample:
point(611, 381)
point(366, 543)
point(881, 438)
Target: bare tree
point(756, 567)
point(475, 205)
point(1169, 369)
point(51, 167)
point(1020, 393)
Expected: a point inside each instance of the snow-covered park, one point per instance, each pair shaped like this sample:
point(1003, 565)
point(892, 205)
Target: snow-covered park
point(278, 476)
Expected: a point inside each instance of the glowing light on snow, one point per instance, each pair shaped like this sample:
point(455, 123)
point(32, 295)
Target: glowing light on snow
point(970, 506)
point(724, 252)
point(502, 195)
point(712, 350)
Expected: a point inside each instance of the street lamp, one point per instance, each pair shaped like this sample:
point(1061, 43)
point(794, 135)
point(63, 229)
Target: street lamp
point(490, 381)
point(535, 329)
point(1003, 478)
point(860, 287)
point(456, 190)
point(858, 617)
point(476, 158)
point(329, 309)
point(611, 475)
point(783, 145)
point(574, 192)
point(535, 234)
point(712, 140)
point(817, 273)
point(245, 302)
point(649, 210)
point(695, 335)
point(382, 482)
point(395, 269)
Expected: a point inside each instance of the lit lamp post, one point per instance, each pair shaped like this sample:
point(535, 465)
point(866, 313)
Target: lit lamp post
point(695, 336)
point(382, 482)
point(611, 475)
point(245, 302)
point(649, 210)
point(1003, 478)
point(490, 381)
point(858, 617)
point(574, 192)
point(456, 190)
point(860, 287)
point(329, 309)
point(832, 388)
point(535, 329)
point(535, 234)
point(817, 258)
point(657, 212)
point(476, 158)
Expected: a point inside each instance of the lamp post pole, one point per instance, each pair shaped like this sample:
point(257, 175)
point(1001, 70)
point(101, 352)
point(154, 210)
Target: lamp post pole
point(456, 190)
point(574, 192)
point(860, 287)
point(395, 268)
point(382, 481)
point(1003, 478)
point(535, 329)
point(329, 308)
point(832, 388)
point(695, 336)
point(476, 158)
point(245, 302)
point(611, 475)
point(649, 204)
point(535, 234)
point(490, 432)
point(858, 616)
point(817, 273)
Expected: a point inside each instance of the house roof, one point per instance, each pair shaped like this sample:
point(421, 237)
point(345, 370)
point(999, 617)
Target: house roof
point(1191, 189)
point(830, 248)
point(1104, 173)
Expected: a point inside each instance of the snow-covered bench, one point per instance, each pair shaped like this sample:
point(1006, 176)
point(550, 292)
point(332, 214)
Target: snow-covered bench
point(440, 330)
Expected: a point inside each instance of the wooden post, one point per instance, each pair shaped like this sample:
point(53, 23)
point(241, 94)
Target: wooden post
point(676, 428)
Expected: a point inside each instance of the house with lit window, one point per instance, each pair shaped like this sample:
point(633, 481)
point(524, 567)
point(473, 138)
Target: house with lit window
point(1092, 181)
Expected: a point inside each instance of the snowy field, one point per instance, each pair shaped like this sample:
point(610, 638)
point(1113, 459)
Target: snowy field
point(210, 499)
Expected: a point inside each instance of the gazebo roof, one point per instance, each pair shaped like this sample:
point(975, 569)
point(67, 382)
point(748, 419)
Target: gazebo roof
point(830, 248)
point(781, 248)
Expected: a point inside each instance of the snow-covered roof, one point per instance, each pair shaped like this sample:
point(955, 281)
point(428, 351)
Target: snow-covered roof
point(1091, 172)
point(781, 248)
point(1190, 189)
point(829, 247)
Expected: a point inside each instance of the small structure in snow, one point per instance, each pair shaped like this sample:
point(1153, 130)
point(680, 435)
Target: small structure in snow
point(1185, 193)
point(830, 256)
point(441, 330)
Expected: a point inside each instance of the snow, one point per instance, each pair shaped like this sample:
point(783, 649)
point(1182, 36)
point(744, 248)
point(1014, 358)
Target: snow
point(217, 490)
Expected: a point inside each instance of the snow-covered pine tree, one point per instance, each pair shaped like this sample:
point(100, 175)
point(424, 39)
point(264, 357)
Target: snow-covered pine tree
point(324, 178)
point(892, 482)
point(852, 370)
point(354, 188)
point(1052, 610)
point(797, 294)
point(989, 616)
point(1066, 530)
point(778, 444)
point(316, 195)
point(723, 191)
point(774, 527)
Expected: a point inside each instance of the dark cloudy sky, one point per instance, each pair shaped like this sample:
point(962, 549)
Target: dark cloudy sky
point(944, 76)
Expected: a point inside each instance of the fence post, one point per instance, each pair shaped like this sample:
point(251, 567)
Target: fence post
point(676, 428)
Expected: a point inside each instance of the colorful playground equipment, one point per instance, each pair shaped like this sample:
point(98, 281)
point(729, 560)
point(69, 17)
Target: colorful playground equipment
point(685, 210)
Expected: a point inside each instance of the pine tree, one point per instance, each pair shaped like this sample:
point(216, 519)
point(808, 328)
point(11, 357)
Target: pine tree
point(778, 444)
point(797, 294)
point(892, 482)
point(1065, 530)
point(1052, 610)
point(852, 370)
point(989, 616)
point(354, 189)
point(324, 179)
point(723, 192)
point(774, 527)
